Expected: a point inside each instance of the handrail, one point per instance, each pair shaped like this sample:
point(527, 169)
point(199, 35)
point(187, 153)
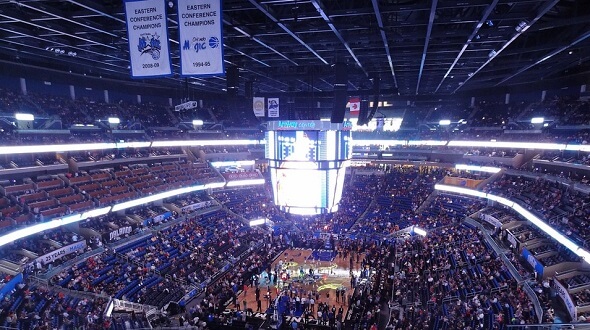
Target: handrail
point(513, 271)
point(191, 294)
point(123, 304)
point(533, 296)
point(549, 326)
point(117, 244)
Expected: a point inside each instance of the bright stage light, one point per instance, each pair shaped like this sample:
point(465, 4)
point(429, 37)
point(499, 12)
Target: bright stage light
point(240, 183)
point(197, 143)
point(487, 169)
point(96, 212)
point(233, 163)
point(121, 145)
point(24, 116)
point(114, 120)
point(426, 143)
point(12, 150)
point(419, 231)
point(257, 222)
point(153, 198)
point(502, 144)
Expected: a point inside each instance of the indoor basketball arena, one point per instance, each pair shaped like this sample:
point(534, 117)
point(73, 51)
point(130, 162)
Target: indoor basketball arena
point(294, 164)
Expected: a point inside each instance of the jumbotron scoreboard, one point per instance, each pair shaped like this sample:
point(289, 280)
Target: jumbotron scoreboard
point(307, 161)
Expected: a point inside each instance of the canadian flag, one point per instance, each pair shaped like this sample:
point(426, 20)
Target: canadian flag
point(355, 105)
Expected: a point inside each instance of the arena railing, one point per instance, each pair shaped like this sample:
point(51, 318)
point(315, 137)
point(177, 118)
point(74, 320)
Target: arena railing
point(549, 326)
point(536, 303)
point(525, 213)
point(68, 264)
point(197, 290)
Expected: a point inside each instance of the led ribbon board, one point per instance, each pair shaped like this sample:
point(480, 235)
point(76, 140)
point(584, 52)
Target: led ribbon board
point(551, 232)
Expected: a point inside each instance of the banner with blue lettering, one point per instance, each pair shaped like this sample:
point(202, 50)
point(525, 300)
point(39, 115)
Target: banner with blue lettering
point(8, 287)
point(147, 34)
point(201, 38)
point(537, 266)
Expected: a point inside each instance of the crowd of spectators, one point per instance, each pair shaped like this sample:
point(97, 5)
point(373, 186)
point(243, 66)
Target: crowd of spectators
point(562, 207)
point(469, 284)
point(111, 222)
point(163, 266)
point(251, 203)
point(230, 284)
point(36, 307)
point(457, 281)
point(401, 192)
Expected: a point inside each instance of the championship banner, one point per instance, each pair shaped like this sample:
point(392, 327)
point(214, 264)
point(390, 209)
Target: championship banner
point(147, 34)
point(258, 106)
point(355, 105)
point(201, 39)
point(273, 107)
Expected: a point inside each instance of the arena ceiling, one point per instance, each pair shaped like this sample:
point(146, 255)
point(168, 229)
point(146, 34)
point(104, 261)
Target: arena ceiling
point(414, 47)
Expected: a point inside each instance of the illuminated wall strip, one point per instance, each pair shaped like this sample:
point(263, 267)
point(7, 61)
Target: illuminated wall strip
point(32, 149)
point(503, 144)
point(133, 144)
point(13, 150)
point(156, 197)
point(578, 147)
point(233, 163)
point(204, 143)
point(41, 227)
point(379, 142)
point(550, 231)
point(426, 143)
point(239, 183)
point(487, 169)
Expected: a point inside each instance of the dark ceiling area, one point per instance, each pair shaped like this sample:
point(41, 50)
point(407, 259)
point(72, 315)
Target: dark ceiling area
point(412, 47)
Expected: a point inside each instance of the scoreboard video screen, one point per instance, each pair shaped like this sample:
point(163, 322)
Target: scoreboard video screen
point(307, 167)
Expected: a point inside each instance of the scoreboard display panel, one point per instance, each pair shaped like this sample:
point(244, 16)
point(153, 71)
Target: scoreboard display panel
point(307, 167)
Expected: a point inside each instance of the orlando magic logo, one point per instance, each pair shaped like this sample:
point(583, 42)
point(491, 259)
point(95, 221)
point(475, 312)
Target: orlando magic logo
point(150, 44)
point(213, 42)
point(200, 43)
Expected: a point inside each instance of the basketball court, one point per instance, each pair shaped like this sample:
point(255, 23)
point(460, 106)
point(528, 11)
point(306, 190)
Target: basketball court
point(304, 271)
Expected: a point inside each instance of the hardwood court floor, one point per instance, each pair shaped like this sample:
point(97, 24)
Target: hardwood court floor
point(333, 274)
